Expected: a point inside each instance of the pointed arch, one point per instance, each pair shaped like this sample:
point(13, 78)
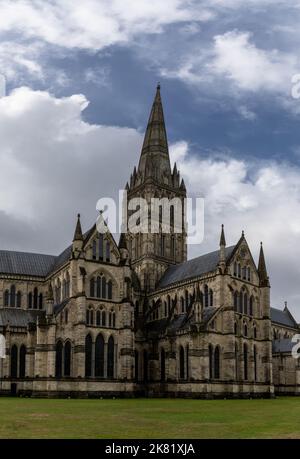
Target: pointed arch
point(181, 363)
point(88, 355)
point(13, 296)
point(110, 358)
point(58, 359)
point(29, 300)
point(255, 362)
point(19, 299)
point(22, 362)
point(210, 354)
point(67, 358)
point(14, 361)
point(245, 349)
point(217, 363)
point(98, 318)
point(99, 356)
point(109, 290)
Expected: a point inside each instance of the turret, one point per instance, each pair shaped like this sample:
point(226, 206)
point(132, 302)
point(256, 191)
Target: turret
point(78, 237)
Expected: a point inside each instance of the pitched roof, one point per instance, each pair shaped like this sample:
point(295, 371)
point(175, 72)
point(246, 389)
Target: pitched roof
point(30, 264)
point(18, 317)
point(34, 264)
point(283, 317)
point(282, 345)
point(193, 268)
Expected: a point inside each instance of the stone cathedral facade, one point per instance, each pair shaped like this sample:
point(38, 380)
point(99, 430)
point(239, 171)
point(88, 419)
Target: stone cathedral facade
point(136, 318)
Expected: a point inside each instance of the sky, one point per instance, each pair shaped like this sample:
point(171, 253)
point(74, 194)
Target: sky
point(80, 81)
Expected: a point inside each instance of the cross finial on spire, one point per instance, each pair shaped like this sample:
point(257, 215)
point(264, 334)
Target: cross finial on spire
point(222, 238)
point(78, 231)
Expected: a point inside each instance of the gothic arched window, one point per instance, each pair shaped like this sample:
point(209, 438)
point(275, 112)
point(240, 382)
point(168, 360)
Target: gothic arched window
point(103, 287)
point(67, 359)
point(241, 302)
point(236, 301)
point(35, 298)
point(245, 361)
point(13, 296)
point(206, 296)
point(40, 301)
point(211, 297)
point(19, 299)
point(110, 358)
point(99, 357)
point(210, 352)
point(255, 362)
point(245, 303)
point(103, 318)
point(29, 300)
point(251, 306)
point(107, 251)
point(14, 361)
point(100, 246)
point(22, 363)
point(88, 355)
point(98, 318)
point(181, 363)
point(217, 363)
point(58, 359)
point(109, 290)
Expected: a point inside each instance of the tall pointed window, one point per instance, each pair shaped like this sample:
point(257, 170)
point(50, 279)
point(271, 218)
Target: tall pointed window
point(22, 365)
point(245, 361)
point(13, 296)
point(100, 246)
point(107, 251)
point(59, 359)
point(181, 363)
point(99, 357)
point(67, 359)
point(19, 299)
point(217, 363)
point(14, 361)
point(110, 358)
point(88, 355)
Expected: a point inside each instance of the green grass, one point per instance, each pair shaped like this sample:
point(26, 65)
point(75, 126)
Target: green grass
point(149, 418)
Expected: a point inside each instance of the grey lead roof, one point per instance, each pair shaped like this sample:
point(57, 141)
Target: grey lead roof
point(282, 317)
point(31, 264)
point(34, 264)
point(282, 345)
point(18, 317)
point(193, 268)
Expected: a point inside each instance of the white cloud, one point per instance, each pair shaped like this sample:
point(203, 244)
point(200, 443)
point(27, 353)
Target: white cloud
point(262, 199)
point(94, 24)
point(53, 164)
point(249, 67)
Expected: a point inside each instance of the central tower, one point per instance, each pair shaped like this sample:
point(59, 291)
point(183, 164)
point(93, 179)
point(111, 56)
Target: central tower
point(152, 252)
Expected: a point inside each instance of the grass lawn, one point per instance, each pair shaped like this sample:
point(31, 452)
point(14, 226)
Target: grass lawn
point(149, 418)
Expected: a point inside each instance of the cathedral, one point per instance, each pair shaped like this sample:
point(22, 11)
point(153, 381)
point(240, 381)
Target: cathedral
point(136, 318)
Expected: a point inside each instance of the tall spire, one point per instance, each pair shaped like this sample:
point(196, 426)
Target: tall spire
point(78, 231)
point(222, 238)
point(262, 270)
point(155, 158)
